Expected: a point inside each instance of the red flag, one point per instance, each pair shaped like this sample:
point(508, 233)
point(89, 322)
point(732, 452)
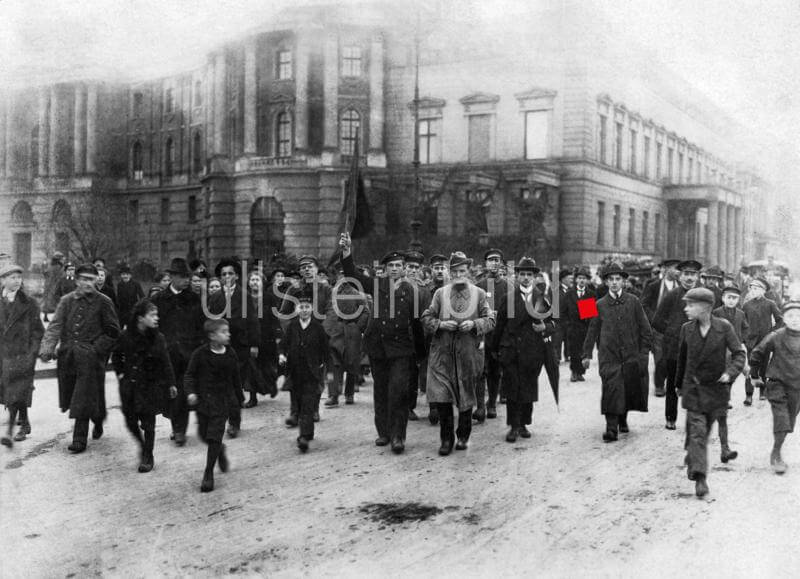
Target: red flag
point(587, 308)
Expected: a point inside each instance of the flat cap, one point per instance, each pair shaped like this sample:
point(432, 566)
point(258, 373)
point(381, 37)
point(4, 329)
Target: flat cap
point(9, 269)
point(86, 269)
point(437, 258)
point(731, 289)
point(761, 281)
point(393, 256)
point(308, 259)
point(713, 271)
point(493, 251)
point(612, 269)
point(690, 265)
point(699, 294)
point(669, 261)
point(414, 257)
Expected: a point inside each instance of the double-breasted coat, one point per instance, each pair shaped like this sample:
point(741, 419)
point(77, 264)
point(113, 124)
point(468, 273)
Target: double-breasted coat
point(21, 332)
point(85, 328)
point(455, 360)
point(576, 327)
point(669, 318)
point(520, 349)
point(143, 360)
point(623, 337)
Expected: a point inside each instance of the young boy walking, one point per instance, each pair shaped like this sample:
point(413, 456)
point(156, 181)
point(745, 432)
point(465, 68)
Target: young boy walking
point(304, 351)
point(213, 387)
point(763, 316)
point(145, 376)
point(782, 377)
point(704, 374)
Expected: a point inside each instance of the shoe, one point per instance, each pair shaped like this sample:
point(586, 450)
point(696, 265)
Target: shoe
point(433, 416)
point(728, 455)
point(762, 396)
point(292, 420)
point(25, 428)
point(730, 406)
point(446, 448)
point(524, 432)
point(573, 377)
point(479, 415)
point(77, 447)
point(20, 435)
point(208, 484)
point(349, 400)
point(461, 444)
point(302, 444)
point(382, 441)
point(609, 436)
point(398, 446)
point(97, 431)
point(512, 435)
point(700, 486)
point(251, 403)
point(179, 438)
point(660, 392)
point(670, 425)
point(623, 429)
point(6, 441)
point(748, 400)
point(412, 415)
point(147, 464)
point(491, 412)
point(581, 378)
point(233, 431)
point(172, 436)
point(778, 466)
point(316, 417)
point(333, 401)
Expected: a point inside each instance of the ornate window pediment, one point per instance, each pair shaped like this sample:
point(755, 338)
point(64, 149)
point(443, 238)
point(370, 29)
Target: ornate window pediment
point(480, 102)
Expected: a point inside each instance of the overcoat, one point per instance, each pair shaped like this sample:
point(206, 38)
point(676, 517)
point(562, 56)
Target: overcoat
point(701, 361)
point(215, 379)
point(521, 350)
point(306, 353)
point(669, 318)
point(85, 328)
point(737, 319)
point(267, 305)
point(455, 360)
point(576, 327)
point(763, 316)
point(180, 320)
point(623, 337)
point(143, 360)
point(128, 293)
point(347, 328)
point(21, 332)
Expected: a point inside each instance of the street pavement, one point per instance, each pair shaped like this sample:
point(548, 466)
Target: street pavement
point(562, 503)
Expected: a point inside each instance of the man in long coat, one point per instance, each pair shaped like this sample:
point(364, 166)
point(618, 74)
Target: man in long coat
point(496, 289)
point(520, 342)
point(85, 328)
point(438, 264)
point(623, 337)
point(577, 327)
point(414, 261)
point(458, 318)
point(653, 294)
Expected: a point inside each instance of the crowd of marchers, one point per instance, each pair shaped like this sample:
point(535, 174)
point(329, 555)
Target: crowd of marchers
point(471, 337)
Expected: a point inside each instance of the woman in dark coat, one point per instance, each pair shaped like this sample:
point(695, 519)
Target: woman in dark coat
point(264, 379)
point(145, 376)
point(21, 332)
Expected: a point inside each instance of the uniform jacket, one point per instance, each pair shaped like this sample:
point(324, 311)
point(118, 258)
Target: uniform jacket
point(760, 315)
point(21, 332)
point(736, 317)
point(85, 328)
point(623, 337)
point(306, 352)
point(521, 350)
point(143, 361)
point(668, 320)
point(455, 360)
point(701, 361)
point(783, 345)
point(394, 329)
point(180, 320)
point(215, 379)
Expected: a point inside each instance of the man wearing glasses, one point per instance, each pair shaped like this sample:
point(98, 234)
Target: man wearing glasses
point(85, 329)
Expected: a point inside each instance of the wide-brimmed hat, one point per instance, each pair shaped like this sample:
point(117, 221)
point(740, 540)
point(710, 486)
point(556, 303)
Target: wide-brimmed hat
point(9, 269)
point(526, 264)
point(669, 261)
point(690, 265)
point(224, 262)
point(178, 267)
point(614, 269)
point(584, 272)
point(459, 258)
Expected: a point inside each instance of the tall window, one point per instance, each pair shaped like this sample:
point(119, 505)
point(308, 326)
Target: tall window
point(283, 135)
point(428, 142)
point(647, 157)
point(137, 161)
point(603, 139)
point(680, 167)
point(192, 208)
point(133, 211)
point(536, 134)
point(618, 146)
point(169, 101)
point(634, 143)
point(283, 65)
point(480, 127)
point(645, 229)
point(351, 61)
point(699, 172)
point(631, 228)
point(617, 220)
point(690, 171)
point(659, 155)
point(350, 127)
point(138, 104)
point(601, 223)
point(670, 164)
point(165, 210)
point(197, 154)
point(198, 93)
point(169, 157)
point(34, 156)
point(657, 236)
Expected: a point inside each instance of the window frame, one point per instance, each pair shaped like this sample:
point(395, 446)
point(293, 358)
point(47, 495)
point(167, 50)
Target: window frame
point(289, 137)
point(284, 69)
point(350, 63)
point(349, 137)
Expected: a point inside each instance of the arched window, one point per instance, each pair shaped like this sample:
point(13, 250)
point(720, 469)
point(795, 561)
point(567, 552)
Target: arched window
point(34, 156)
point(137, 161)
point(197, 154)
point(169, 157)
point(266, 228)
point(22, 214)
point(283, 135)
point(198, 93)
point(349, 130)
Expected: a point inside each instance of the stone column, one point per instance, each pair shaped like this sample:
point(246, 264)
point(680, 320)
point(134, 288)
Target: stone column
point(220, 103)
point(732, 239)
point(712, 233)
point(9, 138)
point(376, 156)
point(55, 102)
point(722, 250)
point(44, 131)
point(739, 217)
point(331, 92)
point(250, 96)
point(301, 93)
point(91, 129)
point(79, 141)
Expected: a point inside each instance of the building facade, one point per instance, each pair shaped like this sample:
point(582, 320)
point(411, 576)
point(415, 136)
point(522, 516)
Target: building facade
point(546, 144)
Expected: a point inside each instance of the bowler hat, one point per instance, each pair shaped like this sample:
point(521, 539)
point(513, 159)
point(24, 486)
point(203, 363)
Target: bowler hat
point(437, 258)
point(393, 256)
point(614, 269)
point(178, 267)
point(700, 294)
point(86, 269)
point(9, 269)
point(584, 272)
point(459, 258)
point(690, 265)
point(224, 262)
point(564, 273)
point(493, 251)
point(526, 264)
point(415, 257)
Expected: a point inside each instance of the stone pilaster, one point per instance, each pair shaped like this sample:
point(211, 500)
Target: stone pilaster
point(79, 140)
point(376, 156)
point(220, 104)
point(732, 239)
point(11, 169)
point(3, 139)
point(739, 236)
point(331, 94)
point(301, 92)
point(44, 131)
point(250, 95)
point(91, 129)
point(722, 250)
point(54, 142)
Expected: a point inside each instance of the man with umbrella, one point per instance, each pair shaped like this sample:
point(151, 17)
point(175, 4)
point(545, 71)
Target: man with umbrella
point(623, 335)
point(521, 340)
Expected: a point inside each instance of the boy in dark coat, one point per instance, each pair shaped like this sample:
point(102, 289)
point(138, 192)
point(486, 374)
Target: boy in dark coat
point(705, 372)
point(783, 378)
point(129, 292)
point(304, 352)
point(213, 386)
point(145, 376)
point(622, 334)
point(21, 332)
point(763, 316)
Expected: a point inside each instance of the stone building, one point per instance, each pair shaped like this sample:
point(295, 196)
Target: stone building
point(543, 140)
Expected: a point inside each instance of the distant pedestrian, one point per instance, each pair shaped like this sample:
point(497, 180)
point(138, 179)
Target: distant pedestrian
point(106, 288)
point(129, 292)
point(65, 284)
point(21, 333)
point(577, 326)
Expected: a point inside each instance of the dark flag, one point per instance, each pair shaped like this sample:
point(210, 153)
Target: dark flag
point(355, 217)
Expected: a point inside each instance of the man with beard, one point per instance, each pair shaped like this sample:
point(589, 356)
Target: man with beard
point(652, 296)
point(394, 336)
point(458, 318)
point(622, 334)
point(669, 318)
point(577, 327)
point(496, 289)
point(181, 318)
point(414, 261)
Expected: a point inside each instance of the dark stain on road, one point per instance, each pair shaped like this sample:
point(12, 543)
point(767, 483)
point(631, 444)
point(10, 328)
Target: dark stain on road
point(226, 509)
point(37, 450)
point(399, 513)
